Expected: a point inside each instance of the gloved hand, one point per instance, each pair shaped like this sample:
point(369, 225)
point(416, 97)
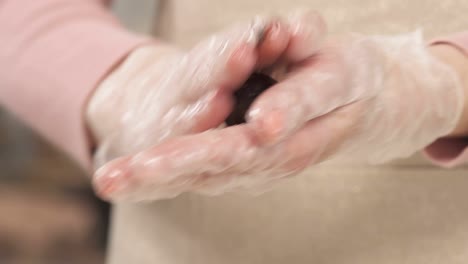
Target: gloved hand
point(160, 92)
point(362, 98)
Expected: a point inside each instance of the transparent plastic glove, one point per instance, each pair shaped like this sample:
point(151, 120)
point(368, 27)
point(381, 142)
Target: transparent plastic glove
point(159, 92)
point(362, 98)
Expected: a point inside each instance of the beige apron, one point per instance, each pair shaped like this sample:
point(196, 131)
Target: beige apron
point(405, 212)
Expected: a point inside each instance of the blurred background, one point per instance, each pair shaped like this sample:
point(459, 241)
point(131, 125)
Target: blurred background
point(48, 212)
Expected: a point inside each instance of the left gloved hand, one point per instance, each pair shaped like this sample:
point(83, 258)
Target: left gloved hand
point(160, 92)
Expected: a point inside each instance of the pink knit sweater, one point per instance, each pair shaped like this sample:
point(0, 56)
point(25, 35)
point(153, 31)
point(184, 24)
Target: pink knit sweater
point(53, 53)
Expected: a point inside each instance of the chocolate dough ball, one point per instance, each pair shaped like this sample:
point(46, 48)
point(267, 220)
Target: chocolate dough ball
point(244, 97)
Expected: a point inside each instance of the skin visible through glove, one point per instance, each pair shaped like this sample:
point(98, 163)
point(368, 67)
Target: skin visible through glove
point(245, 96)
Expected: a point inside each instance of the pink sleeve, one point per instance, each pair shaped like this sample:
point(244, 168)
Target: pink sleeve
point(52, 55)
point(449, 152)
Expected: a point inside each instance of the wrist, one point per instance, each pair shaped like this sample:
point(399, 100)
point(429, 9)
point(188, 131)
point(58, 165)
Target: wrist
point(458, 61)
point(103, 109)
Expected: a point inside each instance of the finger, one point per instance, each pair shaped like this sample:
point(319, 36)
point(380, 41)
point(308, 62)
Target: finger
point(307, 30)
point(273, 44)
point(223, 61)
point(212, 70)
point(210, 163)
point(315, 142)
point(211, 111)
point(317, 89)
point(174, 161)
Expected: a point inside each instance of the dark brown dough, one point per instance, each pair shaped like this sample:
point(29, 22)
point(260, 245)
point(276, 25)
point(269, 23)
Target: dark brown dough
point(244, 97)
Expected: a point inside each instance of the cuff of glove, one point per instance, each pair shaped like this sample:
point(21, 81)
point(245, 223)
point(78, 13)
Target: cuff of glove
point(457, 40)
point(450, 152)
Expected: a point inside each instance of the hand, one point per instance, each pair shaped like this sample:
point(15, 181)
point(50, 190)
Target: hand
point(160, 92)
point(361, 98)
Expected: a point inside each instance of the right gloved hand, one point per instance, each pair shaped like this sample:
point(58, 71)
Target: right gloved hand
point(160, 92)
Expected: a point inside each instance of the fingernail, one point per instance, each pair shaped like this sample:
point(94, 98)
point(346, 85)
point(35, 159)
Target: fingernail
point(108, 181)
point(274, 30)
point(269, 31)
